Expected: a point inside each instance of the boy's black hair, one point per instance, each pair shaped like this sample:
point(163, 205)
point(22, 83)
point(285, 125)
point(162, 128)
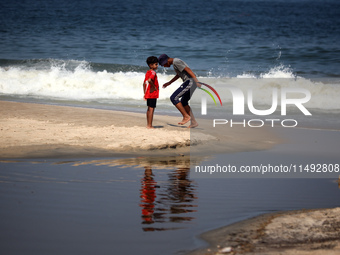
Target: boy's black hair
point(151, 60)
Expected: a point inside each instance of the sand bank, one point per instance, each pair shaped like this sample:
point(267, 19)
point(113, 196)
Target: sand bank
point(312, 232)
point(36, 130)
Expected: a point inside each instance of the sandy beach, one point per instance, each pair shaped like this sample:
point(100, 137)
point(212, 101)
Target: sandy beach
point(37, 131)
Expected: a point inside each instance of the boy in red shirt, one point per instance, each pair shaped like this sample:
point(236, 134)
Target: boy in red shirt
point(151, 89)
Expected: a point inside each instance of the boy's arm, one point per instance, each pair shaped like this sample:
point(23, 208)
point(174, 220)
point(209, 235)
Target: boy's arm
point(192, 74)
point(153, 86)
point(144, 89)
point(172, 80)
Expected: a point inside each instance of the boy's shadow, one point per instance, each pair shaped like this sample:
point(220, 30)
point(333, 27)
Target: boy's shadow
point(181, 126)
point(158, 126)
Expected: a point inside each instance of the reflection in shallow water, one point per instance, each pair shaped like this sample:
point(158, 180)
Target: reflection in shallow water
point(148, 195)
point(169, 203)
point(167, 194)
point(93, 205)
point(153, 162)
point(166, 205)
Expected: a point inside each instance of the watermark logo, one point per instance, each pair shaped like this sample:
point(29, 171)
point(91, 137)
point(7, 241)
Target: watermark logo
point(204, 101)
point(239, 102)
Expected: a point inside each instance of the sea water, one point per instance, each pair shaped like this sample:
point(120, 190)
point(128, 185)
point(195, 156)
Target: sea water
point(124, 206)
point(92, 54)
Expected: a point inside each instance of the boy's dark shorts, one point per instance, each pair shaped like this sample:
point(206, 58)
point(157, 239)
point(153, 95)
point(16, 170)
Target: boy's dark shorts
point(151, 102)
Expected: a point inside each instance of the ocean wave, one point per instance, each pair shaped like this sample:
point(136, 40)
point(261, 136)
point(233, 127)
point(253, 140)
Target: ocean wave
point(324, 93)
point(72, 80)
point(276, 72)
point(83, 81)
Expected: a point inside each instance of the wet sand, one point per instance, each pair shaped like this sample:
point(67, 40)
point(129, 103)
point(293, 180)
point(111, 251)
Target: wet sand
point(37, 131)
point(302, 232)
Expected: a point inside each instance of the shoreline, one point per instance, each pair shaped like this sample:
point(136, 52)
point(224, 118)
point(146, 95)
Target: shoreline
point(300, 232)
point(29, 130)
point(32, 131)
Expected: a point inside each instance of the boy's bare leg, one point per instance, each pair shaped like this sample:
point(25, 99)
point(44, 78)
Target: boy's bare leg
point(193, 120)
point(149, 117)
point(186, 116)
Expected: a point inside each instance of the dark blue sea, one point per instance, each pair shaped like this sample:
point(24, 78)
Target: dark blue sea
point(92, 54)
point(219, 38)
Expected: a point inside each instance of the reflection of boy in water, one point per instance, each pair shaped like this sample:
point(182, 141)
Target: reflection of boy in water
point(174, 201)
point(148, 195)
point(182, 194)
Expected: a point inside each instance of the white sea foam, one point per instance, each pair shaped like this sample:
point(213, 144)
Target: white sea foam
point(324, 94)
point(78, 82)
point(276, 72)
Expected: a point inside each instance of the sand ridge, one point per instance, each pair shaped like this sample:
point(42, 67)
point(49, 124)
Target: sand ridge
point(36, 130)
point(301, 232)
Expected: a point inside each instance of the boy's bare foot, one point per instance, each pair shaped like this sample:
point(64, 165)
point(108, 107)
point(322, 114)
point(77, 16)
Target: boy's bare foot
point(193, 124)
point(149, 127)
point(185, 120)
